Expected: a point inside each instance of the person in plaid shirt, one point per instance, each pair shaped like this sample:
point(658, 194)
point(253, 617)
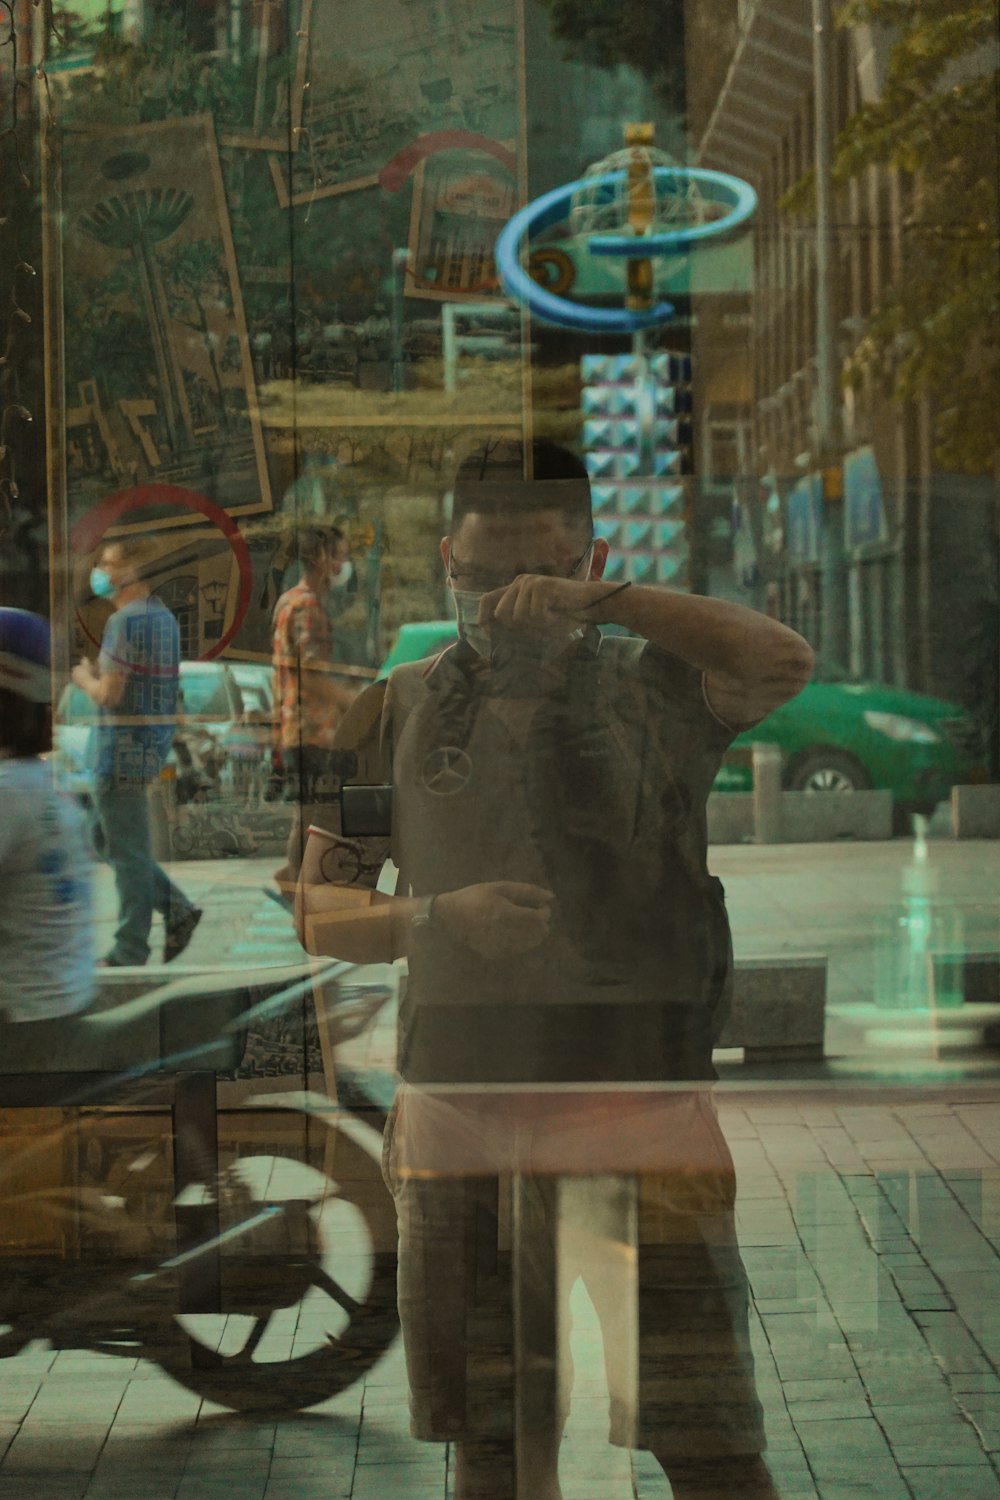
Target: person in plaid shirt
point(308, 699)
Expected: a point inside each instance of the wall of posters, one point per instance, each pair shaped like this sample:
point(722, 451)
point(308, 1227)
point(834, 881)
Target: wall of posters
point(159, 383)
point(428, 65)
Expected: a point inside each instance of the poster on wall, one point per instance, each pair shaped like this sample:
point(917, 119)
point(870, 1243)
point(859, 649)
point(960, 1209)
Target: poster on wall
point(461, 201)
point(266, 109)
point(429, 65)
point(159, 382)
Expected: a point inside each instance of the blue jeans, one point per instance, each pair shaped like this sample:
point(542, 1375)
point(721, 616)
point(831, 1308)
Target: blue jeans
point(123, 840)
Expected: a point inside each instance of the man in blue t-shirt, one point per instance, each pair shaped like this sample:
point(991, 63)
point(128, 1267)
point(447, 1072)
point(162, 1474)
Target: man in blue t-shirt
point(135, 686)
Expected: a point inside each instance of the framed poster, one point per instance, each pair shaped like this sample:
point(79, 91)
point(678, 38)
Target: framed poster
point(461, 202)
point(159, 383)
point(428, 65)
point(274, 48)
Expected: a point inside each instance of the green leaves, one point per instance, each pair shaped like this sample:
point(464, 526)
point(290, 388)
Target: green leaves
point(934, 333)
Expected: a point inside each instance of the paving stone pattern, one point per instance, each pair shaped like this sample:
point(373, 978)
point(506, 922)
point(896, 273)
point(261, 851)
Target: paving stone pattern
point(871, 1237)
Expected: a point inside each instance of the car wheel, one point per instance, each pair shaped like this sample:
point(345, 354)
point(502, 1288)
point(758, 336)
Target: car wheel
point(827, 771)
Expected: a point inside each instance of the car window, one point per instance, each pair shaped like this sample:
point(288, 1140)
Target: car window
point(255, 699)
point(255, 687)
point(205, 693)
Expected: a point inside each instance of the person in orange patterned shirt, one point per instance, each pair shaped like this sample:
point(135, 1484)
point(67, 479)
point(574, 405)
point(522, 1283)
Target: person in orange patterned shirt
point(308, 699)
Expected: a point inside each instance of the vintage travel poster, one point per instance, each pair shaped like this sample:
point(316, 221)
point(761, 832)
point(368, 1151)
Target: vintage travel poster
point(159, 383)
point(428, 66)
point(461, 201)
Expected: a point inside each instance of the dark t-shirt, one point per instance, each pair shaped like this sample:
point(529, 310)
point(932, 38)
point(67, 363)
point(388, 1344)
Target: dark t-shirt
point(589, 779)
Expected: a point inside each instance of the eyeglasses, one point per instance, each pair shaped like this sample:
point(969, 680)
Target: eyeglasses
point(473, 581)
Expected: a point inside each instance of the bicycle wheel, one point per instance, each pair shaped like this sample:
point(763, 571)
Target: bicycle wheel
point(182, 841)
point(224, 843)
point(309, 1302)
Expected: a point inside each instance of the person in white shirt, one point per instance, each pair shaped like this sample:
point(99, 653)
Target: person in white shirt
point(46, 916)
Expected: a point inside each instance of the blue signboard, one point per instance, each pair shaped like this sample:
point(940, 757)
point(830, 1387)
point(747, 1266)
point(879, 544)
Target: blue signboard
point(864, 512)
point(805, 519)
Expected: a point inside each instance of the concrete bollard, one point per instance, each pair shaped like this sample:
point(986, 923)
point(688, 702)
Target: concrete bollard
point(766, 761)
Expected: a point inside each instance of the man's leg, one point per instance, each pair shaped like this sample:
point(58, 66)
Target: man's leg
point(743, 1476)
point(309, 764)
point(527, 1466)
point(699, 1413)
point(695, 1405)
point(180, 915)
point(125, 836)
point(168, 899)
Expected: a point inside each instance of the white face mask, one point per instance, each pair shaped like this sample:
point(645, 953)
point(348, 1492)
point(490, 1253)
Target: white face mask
point(466, 602)
point(342, 579)
point(539, 649)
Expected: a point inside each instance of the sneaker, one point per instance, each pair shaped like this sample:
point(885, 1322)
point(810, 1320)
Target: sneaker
point(180, 933)
point(114, 963)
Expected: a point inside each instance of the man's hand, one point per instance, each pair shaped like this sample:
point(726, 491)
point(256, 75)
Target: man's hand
point(499, 919)
point(83, 675)
point(538, 603)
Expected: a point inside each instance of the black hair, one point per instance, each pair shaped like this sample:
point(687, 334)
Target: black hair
point(137, 551)
point(479, 479)
point(25, 727)
point(312, 540)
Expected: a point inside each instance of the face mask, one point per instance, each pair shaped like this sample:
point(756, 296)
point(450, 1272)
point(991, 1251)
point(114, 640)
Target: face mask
point(100, 584)
point(530, 649)
point(342, 579)
point(467, 613)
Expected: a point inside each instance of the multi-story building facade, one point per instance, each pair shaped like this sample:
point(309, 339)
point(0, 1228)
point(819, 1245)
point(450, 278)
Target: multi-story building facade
point(858, 531)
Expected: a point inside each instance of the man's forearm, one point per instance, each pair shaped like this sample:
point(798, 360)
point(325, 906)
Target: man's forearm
point(713, 635)
point(361, 927)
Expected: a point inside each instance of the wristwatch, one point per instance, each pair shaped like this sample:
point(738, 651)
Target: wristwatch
point(422, 916)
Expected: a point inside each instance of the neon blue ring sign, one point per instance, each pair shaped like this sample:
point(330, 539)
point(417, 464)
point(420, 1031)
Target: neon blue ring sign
point(553, 208)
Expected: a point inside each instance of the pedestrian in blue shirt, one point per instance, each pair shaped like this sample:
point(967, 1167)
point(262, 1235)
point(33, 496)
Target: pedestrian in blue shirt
point(136, 688)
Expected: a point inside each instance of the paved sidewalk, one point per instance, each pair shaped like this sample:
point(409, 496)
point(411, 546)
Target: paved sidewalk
point(872, 1240)
point(870, 1231)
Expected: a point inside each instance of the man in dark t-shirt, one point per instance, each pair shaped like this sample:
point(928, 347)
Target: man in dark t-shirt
point(569, 966)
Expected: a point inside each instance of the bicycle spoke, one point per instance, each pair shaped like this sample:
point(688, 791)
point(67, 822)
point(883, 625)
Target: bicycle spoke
point(257, 1332)
point(324, 1282)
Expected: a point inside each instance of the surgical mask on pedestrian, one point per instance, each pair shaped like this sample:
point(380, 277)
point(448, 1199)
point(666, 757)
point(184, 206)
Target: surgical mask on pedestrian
point(100, 583)
point(342, 579)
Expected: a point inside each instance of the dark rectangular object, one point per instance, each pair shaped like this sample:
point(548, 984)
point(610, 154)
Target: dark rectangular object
point(981, 979)
point(366, 811)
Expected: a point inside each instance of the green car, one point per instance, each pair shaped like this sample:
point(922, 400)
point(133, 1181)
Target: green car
point(838, 735)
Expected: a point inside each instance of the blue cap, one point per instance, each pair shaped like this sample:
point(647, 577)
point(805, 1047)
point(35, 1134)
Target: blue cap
point(25, 653)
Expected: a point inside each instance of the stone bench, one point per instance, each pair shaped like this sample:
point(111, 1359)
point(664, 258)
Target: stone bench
point(805, 817)
point(779, 1008)
point(974, 976)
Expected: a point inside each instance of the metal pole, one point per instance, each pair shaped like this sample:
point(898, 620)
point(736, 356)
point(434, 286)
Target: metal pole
point(399, 262)
point(828, 416)
point(50, 172)
point(767, 808)
point(828, 398)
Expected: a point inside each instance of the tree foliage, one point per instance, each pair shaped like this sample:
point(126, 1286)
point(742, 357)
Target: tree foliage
point(654, 38)
point(647, 35)
point(936, 332)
